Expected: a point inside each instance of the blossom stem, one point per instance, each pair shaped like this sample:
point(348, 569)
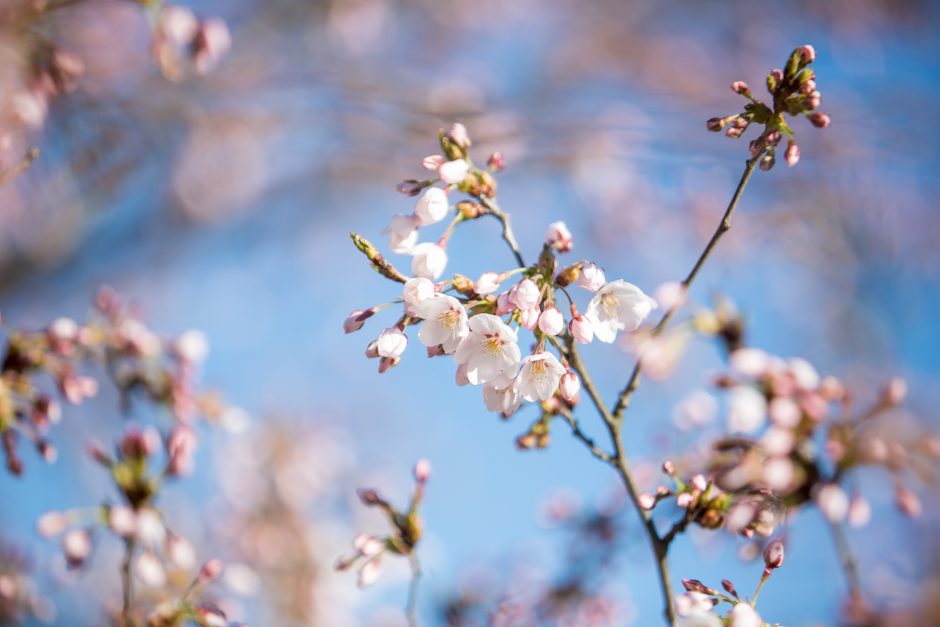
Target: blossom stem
point(127, 584)
point(18, 168)
point(623, 400)
point(847, 557)
point(411, 607)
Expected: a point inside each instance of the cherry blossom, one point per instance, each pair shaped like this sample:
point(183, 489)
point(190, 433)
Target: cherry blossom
point(489, 350)
point(539, 376)
point(432, 207)
point(618, 306)
point(445, 322)
point(403, 233)
point(428, 260)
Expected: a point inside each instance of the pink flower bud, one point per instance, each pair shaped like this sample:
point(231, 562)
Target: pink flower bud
point(569, 386)
point(458, 135)
point(819, 120)
point(63, 330)
point(387, 363)
point(487, 283)
point(432, 162)
point(453, 172)
point(496, 162)
point(773, 555)
point(212, 42)
point(432, 207)
point(76, 545)
point(559, 237)
point(807, 54)
point(699, 483)
point(832, 502)
point(356, 319)
point(646, 500)
point(859, 511)
point(740, 87)
point(715, 124)
point(581, 330)
point(181, 447)
point(895, 392)
point(410, 187)
point(525, 294)
point(551, 322)
point(191, 346)
point(210, 571)
point(529, 318)
point(684, 500)
point(428, 260)
point(372, 350)
point(669, 468)
point(369, 572)
point(422, 471)
point(792, 153)
point(908, 502)
point(52, 524)
point(591, 277)
point(392, 342)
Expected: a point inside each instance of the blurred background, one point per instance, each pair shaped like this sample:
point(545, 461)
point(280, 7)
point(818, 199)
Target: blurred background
point(223, 203)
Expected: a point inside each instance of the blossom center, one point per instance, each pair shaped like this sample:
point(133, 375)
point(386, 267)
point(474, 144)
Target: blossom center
point(493, 345)
point(539, 369)
point(448, 319)
point(610, 303)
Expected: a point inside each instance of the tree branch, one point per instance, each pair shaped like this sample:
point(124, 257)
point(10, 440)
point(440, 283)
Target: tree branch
point(623, 400)
point(127, 584)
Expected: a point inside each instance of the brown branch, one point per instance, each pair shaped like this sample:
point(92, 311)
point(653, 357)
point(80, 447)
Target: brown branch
point(411, 611)
point(508, 236)
point(623, 400)
point(847, 558)
point(576, 431)
point(18, 168)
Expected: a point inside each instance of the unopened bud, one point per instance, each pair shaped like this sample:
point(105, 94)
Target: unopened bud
point(646, 500)
point(210, 571)
point(895, 392)
point(715, 124)
point(729, 587)
point(740, 87)
point(819, 120)
point(496, 162)
point(792, 153)
point(356, 319)
point(669, 468)
point(807, 54)
point(410, 187)
point(767, 162)
point(773, 555)
point(422, 471)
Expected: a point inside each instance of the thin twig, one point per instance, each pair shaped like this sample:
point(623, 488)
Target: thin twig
point(576, 431)
point(847, 558)
point(623, 400)
point(127, 584)
point(18, 168)
point(503, 217)
point(411, 611)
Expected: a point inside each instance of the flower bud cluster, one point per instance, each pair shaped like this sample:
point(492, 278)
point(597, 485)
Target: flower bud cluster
point(139, 362)
point(183, 44)
point(794, 92)
point(478, 322)
point(405, 533)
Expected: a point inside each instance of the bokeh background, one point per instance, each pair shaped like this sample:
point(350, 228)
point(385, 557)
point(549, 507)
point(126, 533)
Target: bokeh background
point(224, 204)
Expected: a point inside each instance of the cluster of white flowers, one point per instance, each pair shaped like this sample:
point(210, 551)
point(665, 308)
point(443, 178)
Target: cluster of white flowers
point(475, 321)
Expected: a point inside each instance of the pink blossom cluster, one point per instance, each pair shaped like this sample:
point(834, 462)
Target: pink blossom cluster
point(406, 529)
point(20, 598)
point(183, 43)
point(138, 361)
point(794, 92)
point(478, 323)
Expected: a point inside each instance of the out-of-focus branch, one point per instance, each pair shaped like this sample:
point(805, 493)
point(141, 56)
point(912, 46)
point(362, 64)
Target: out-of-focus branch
point(847, 558)
point(127, 585)
point(15, 170)
point(412, 604)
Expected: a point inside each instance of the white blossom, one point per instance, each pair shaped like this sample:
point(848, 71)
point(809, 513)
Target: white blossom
point(489, 350)
point(445, 322)
point(432, 207)
point(416, 290)
point(453, 172)
point(618, 306)
point(501, 396)
point(428, 260)
point(539, 376)
point(392, 342)
point(403, 233)
point(747, 409)
point(591, 277)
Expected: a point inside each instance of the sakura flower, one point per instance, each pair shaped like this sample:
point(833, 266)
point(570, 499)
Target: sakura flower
point(744, 615)
point(212, 42)
point(747, 410)
point(369, 572)
point(569, 386)
point(76, 545)
point(551, 322)
point(487, 283)
point(432, 207)
point(539, 376)
point(525, 294)
point(453, 172)
point(832, 502)
point(445, 322)
point(559, 237)
point(417, 290)
point(192, 346)
point(432, 162)
point(489, 350)
point(428, 260)
point(392, 342)
point(529, 318)
point(403, 233)
point(618, 306)
point(501, 396)
point(694, 609)
point(149, 570)
point(581, 329)
point(591, 277)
